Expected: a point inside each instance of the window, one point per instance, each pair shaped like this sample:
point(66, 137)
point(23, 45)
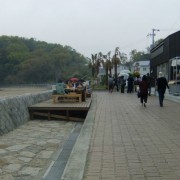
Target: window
point(163, 68)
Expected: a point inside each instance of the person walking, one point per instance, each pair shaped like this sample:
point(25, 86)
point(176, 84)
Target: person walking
point(136, 83)
point(143, 87)
point(122, 83)
point(111, 83)
point(130, 84)
point(116, 83)
point(149, 80)
point(161, 87)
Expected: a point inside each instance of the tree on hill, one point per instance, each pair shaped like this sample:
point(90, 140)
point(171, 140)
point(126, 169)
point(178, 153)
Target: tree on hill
point(29, 61)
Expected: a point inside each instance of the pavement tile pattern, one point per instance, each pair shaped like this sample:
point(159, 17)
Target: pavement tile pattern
point(26, 152)
point(129, 142)
point(132, 142)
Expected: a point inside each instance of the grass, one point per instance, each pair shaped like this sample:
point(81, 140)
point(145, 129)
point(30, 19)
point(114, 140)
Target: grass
point(99, 87)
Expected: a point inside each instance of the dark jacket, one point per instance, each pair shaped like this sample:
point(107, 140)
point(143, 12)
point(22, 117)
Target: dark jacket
point(149, 80)
point(143, 85)
point(162, 83)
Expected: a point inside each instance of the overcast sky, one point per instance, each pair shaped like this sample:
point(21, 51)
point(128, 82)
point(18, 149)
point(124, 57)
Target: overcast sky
point(91, 26)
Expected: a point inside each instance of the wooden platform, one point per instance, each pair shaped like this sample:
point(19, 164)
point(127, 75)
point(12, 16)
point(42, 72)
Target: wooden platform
point(76, 111)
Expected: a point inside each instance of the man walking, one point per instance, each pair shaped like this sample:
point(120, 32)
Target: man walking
point(110, 84)
point(161, 87)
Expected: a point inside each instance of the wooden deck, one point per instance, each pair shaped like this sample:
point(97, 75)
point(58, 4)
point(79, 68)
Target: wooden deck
point(75, 111)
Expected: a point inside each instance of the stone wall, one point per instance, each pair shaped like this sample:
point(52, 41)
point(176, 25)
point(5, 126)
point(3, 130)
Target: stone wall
point(14, 110)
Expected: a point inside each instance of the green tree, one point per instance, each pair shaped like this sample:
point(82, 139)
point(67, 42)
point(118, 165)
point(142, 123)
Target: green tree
point(138, 56)
point(28, 61)
point(107, 65)
point(92, 64)
point(116, 60)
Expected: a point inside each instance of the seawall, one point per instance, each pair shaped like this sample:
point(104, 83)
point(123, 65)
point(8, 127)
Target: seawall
point(14, 110)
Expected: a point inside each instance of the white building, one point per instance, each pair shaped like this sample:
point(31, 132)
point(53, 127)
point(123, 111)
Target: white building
point(143, 67)
point(120, 67)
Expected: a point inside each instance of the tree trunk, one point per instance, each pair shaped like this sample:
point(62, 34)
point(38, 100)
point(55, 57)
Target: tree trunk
point(106, 81)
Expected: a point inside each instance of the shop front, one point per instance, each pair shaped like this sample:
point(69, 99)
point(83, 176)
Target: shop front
point(174, 75)
point(165, 57)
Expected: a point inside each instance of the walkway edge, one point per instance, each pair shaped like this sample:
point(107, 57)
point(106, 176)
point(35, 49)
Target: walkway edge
point(76, 163)
point(168, 96)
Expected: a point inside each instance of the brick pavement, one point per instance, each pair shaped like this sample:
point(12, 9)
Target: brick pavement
point(131, 142)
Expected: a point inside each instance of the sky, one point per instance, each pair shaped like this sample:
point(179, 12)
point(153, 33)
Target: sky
point(91, 26)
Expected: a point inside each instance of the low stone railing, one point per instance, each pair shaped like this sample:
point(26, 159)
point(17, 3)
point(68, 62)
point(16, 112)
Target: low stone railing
point(14, 110)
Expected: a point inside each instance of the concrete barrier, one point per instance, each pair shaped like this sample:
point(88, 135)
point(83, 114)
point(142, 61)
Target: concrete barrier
point(77, 161)
point(14, 110)
point(168, 95)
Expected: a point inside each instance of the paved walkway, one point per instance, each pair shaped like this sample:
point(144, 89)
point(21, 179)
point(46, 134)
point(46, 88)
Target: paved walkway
point(128, 142)
point(131, 142)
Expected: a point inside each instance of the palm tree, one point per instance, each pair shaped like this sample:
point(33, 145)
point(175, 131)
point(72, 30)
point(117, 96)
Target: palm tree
point(98, 62)
point(92, 64)
point(116, 60)
point(107, 65)
point(110, 63)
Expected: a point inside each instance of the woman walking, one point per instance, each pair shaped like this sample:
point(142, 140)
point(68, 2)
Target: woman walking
point(143, 86)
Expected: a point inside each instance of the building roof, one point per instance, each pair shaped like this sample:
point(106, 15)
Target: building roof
point(142, 63)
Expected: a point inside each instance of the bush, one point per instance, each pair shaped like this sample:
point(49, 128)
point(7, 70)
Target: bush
point(136, 74)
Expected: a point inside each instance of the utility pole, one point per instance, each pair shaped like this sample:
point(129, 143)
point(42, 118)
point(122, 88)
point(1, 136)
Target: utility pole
point(153, 34)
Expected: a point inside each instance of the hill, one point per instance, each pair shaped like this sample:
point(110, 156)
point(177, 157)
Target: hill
point(26, 61)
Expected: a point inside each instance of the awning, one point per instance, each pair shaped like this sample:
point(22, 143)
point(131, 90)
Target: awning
point(175, 61)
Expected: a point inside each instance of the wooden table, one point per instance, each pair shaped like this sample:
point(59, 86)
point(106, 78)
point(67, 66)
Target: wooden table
point(71, 97)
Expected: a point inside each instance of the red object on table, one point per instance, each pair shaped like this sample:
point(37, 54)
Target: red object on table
point(74, 79)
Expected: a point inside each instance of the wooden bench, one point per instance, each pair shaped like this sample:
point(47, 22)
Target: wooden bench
point(71, 97)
